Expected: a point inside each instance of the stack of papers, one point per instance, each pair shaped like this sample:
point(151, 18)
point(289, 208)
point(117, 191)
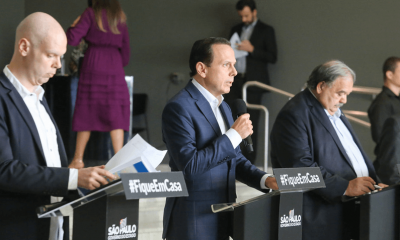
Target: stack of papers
point(136, 156)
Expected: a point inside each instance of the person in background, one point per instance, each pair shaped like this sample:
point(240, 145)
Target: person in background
point(258, 39)
point(102, 102)
point(387, 151)
point(386, 103)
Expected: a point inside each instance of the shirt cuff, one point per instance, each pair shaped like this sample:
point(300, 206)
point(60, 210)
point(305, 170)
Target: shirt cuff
point(73, 179)
point(262, 182)
point(234, 137)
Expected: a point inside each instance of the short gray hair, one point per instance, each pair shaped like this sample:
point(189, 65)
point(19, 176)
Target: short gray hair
point(328, 72)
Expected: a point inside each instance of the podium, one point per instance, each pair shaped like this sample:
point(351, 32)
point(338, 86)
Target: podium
point(275, 215)
point(111, 212)
point(379, 214)
point(255, 218)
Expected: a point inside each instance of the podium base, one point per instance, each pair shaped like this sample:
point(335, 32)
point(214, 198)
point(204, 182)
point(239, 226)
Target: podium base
point(109, 217)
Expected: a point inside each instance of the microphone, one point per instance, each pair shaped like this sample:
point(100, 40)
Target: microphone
point(239, 108)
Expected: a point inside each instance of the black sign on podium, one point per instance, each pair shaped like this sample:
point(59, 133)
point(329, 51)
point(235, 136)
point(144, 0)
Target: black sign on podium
point(278, 214)
point(292, 182)
point(153, 185)
point(108, 213)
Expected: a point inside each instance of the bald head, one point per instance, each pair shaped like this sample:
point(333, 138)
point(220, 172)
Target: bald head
point(36, 28)
point(40, 42)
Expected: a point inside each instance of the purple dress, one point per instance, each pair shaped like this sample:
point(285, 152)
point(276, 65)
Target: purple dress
point(102, 102)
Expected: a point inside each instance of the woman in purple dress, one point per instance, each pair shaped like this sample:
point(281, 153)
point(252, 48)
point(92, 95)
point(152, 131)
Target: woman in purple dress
point(102, 102)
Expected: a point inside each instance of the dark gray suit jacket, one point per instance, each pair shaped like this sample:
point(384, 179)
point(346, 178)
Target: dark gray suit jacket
point(25, 181)
point(303, 136)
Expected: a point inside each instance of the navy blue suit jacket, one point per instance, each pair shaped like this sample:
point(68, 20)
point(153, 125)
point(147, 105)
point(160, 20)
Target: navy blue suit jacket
point(25, 181)
point(209, 163)
point(303, 136)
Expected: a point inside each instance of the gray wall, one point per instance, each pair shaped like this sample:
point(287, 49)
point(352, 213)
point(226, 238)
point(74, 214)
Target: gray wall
point(361, 33)
point(11, 13)
point(162, 35)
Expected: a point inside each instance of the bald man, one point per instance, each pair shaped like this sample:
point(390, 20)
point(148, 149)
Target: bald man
point(33, 163)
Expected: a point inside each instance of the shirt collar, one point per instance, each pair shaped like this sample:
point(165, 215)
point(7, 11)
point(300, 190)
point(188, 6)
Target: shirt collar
point(388, 92)
point(251, 25)
point(215, 102)
point(21, 89)
point(336, 115)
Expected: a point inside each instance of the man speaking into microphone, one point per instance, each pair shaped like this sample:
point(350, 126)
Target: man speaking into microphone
point(203, 142)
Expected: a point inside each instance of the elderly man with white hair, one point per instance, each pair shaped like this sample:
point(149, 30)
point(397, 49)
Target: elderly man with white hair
point(311, 131)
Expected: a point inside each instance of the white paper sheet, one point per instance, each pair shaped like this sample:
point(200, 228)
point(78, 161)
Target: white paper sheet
point(235, 40)
point(136, 150)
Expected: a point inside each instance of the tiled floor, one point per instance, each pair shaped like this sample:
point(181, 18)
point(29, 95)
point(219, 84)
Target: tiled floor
point(151, 210)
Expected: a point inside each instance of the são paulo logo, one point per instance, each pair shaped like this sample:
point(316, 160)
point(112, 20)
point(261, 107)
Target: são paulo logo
point(122, 231)
point(291, 220)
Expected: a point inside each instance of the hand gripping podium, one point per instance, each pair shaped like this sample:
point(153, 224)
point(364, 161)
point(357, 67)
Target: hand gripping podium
point(379, 214)
point(275, 215)
point(112, 211)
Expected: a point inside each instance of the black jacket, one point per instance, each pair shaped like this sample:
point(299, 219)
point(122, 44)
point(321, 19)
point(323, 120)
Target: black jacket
point(265, 51)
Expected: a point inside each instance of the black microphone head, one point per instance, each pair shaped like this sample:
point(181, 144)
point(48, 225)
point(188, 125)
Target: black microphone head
point(239, 107)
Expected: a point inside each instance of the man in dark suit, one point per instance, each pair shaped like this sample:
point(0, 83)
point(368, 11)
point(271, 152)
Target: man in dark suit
point(33, 163)
point(386, 103)
point(387, 151)
point(258, 39)
point(311, 131)
point(202, 141)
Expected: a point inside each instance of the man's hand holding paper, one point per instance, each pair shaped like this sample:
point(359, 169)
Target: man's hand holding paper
point(235, 42)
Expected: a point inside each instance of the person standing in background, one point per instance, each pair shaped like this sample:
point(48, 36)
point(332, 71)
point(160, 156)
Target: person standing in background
point(387, 151)
point(386, 103)
point(102, 102)
point(258, 39)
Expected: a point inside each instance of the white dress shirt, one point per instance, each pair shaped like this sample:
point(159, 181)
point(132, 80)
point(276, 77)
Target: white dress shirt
point(48, 140)
point(247, 30)
point(232, 134)
point(351, 148)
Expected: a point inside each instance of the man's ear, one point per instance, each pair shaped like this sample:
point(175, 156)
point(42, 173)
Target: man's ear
point(389, 75)
point(24, 46)
point(320, 87)
point(255, 13)
point(201, 69)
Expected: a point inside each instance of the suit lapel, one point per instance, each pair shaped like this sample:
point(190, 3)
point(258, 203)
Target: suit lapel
point(204, 107)
point(254, 37)
point(224, 110)
point(23, 110)
point(318, 111)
